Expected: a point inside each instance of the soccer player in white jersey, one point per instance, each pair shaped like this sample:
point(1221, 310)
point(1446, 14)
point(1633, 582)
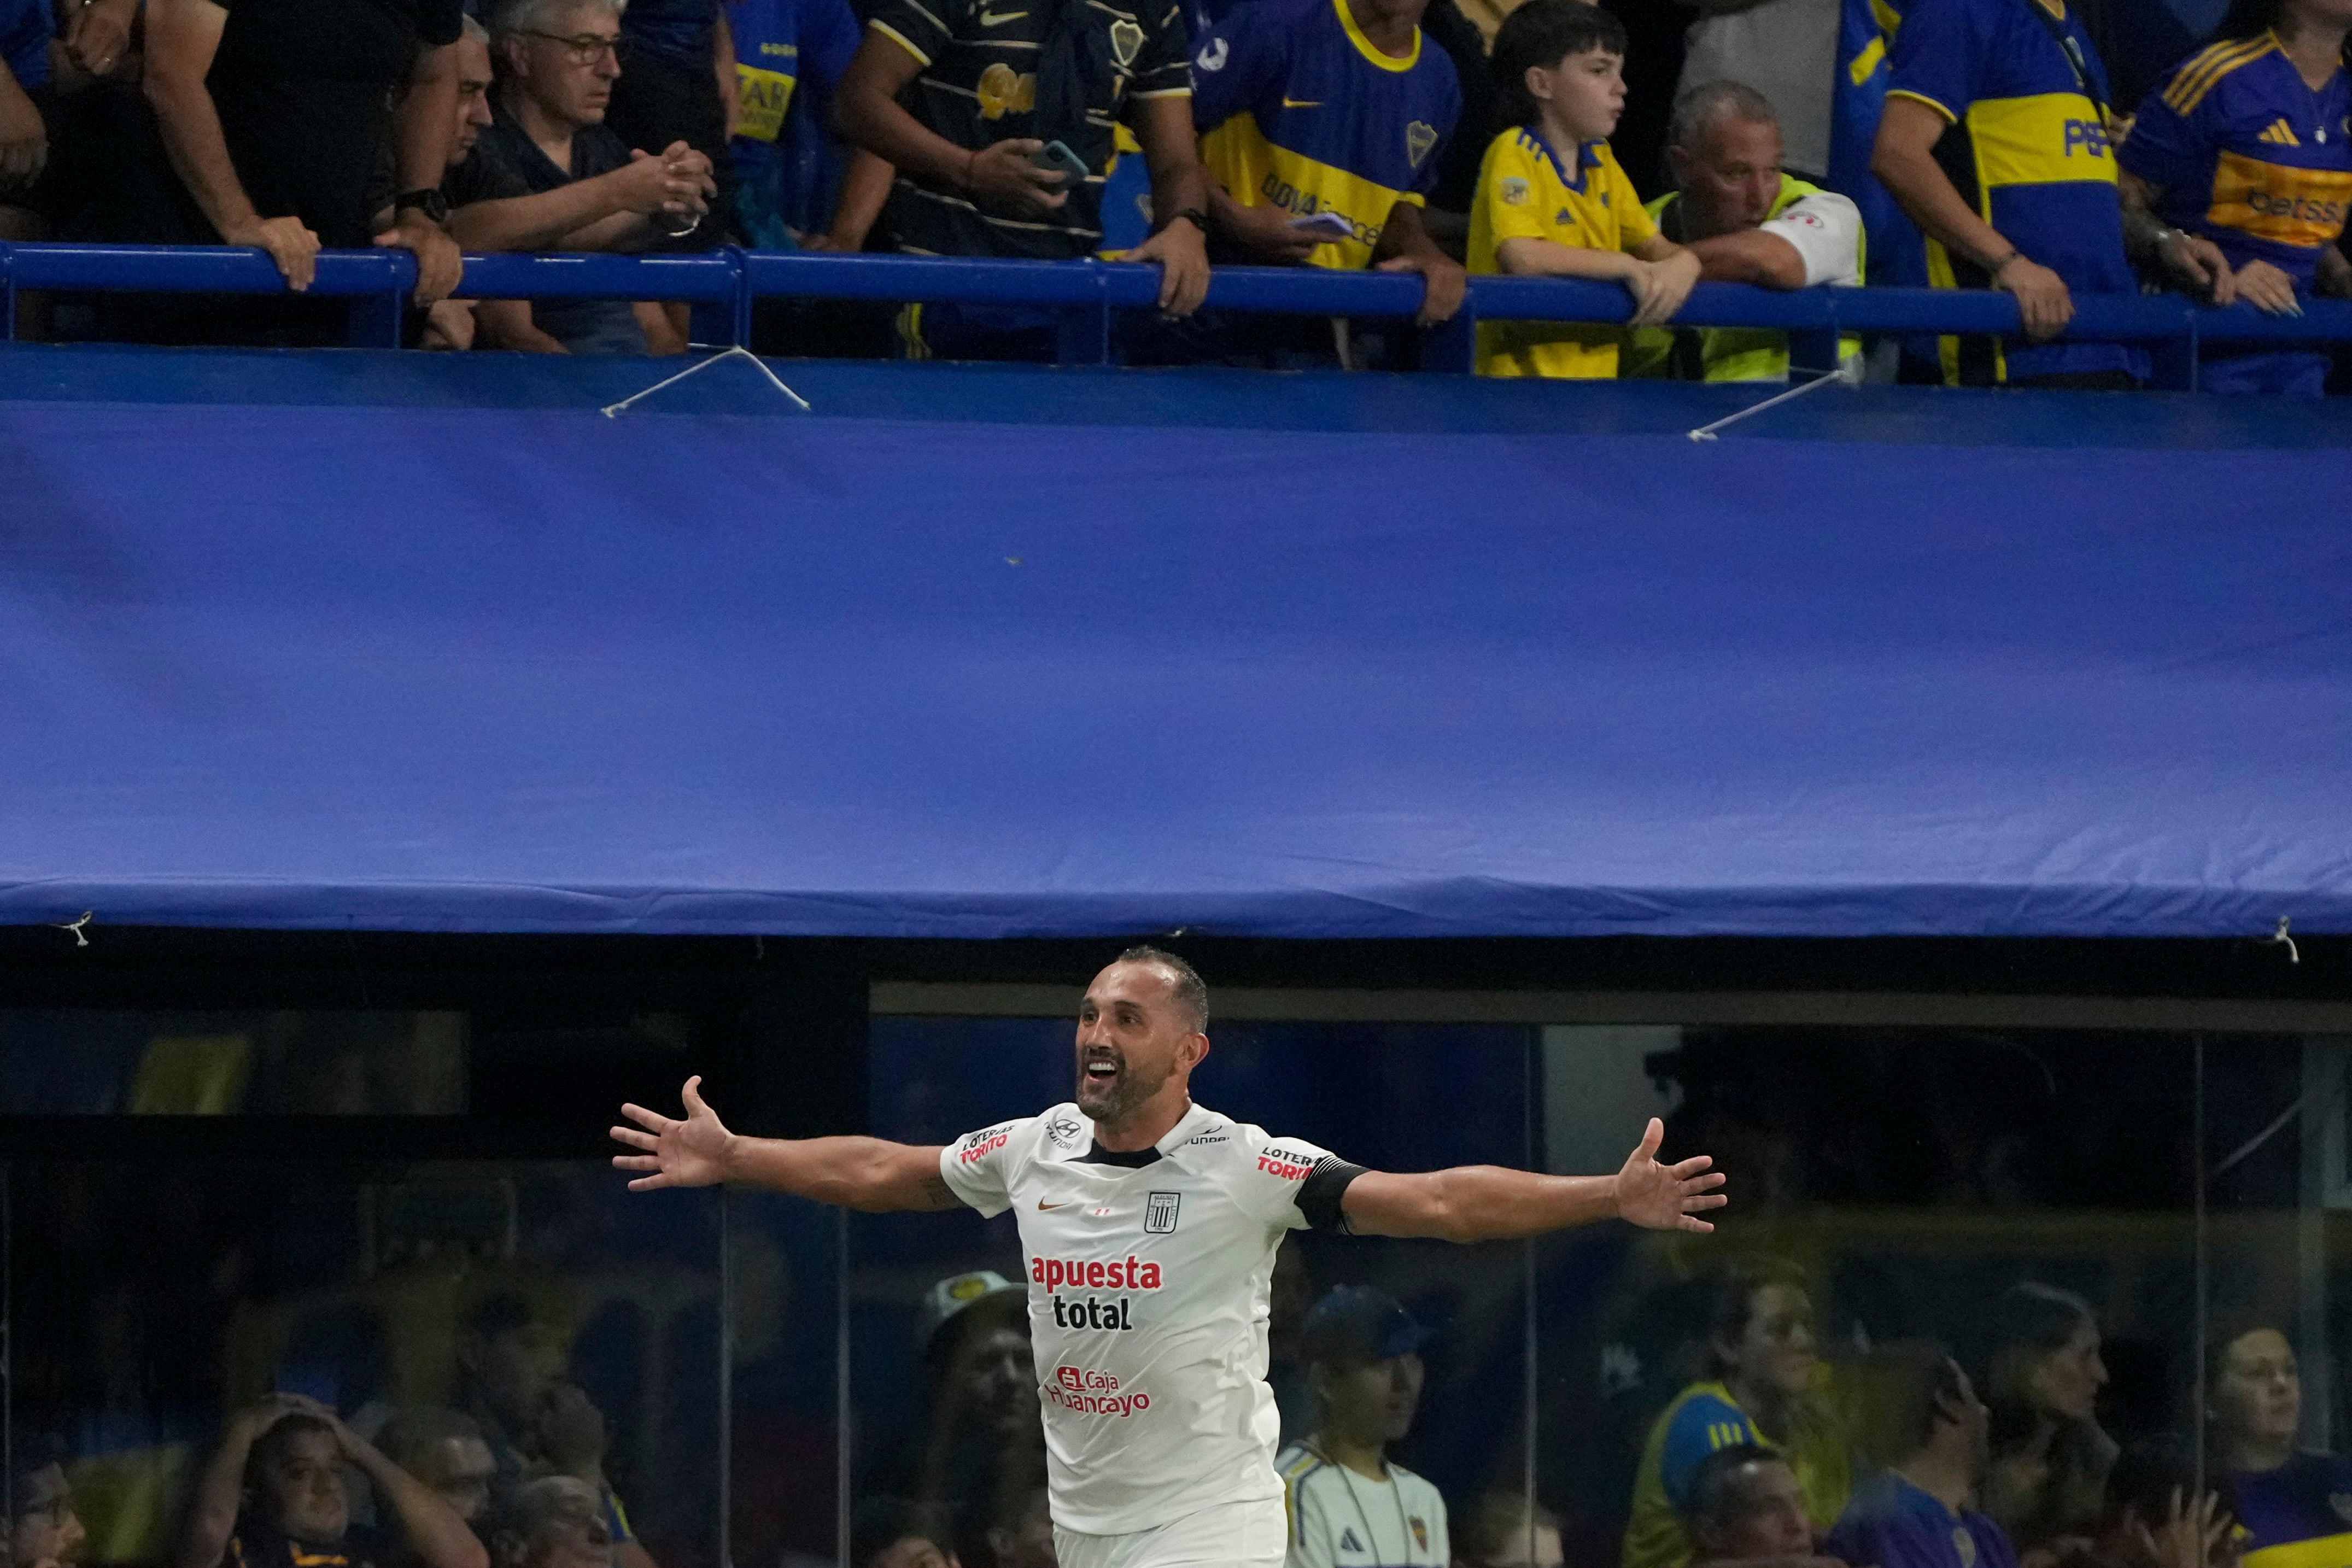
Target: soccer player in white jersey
point(1150, 1225)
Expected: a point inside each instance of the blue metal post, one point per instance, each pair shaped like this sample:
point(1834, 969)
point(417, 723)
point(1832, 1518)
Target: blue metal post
point(1452, 347)
point(1085, 329)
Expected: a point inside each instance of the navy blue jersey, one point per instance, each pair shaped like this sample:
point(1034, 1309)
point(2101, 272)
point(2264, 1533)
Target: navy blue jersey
point(2248, 155)
point(2027, 147)
point(1297, 110)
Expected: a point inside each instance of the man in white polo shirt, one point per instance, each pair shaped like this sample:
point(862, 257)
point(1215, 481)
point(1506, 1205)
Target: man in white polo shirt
point(1150, 1225)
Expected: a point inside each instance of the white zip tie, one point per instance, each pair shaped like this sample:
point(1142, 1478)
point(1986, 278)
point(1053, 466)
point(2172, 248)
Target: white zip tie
point(613, 410)
point(1848, 374)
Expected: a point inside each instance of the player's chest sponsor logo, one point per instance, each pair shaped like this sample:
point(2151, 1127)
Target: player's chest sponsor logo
point(1159, 1212)
point(1120, 1280)
point(1088, 1392)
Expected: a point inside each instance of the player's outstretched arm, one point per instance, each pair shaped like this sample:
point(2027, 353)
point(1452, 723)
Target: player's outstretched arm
point(869, 1174)
point(1488, 1203)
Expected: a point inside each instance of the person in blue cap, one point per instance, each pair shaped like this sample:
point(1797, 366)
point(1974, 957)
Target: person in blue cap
point(1349, 1504)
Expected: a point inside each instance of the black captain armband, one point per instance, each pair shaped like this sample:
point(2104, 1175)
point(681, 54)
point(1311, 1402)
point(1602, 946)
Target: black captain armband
point(1320, 1194)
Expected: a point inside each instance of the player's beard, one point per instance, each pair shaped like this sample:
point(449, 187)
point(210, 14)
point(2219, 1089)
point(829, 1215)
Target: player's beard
point(1112, 1103)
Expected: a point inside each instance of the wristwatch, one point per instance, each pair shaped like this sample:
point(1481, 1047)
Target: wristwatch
point(428, 201)
point(1200, 219)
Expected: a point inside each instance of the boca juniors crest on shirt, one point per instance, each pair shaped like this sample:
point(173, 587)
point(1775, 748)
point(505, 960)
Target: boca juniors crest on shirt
point(1419, 1532)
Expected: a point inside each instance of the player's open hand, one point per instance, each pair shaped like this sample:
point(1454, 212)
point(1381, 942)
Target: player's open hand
point(1665, 1198)
point(694, 1152)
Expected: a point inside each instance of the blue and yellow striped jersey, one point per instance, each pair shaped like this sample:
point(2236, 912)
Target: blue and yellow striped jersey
point(1296, 110)
point(1528, 191)
point(2028, 148)
point(2248, 155)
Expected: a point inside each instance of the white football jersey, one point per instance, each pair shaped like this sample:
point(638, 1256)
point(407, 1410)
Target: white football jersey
point(1147, 1292)
point(1340, 1520)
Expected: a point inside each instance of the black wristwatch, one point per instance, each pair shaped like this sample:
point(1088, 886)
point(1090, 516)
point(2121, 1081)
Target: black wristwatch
point(1200, 219)
point(428, 201)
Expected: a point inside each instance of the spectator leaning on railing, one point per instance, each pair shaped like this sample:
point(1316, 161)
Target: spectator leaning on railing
point(449, 324)
point(1329, 111)
point(786, 51)
point(1995, 139)
point(2247, 144)
point(1552, 201)
point(1748, 221)
point(270, 114)
point(547, 173)
point(961, 98)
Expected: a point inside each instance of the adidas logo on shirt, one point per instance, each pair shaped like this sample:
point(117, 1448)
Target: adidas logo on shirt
point(2280, 135)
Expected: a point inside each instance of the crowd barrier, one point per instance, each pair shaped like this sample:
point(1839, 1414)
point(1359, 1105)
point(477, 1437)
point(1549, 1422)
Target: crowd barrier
point(724, 284)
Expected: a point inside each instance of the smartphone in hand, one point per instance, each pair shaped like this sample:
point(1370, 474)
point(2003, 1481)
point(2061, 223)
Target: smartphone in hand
point(1057, 157)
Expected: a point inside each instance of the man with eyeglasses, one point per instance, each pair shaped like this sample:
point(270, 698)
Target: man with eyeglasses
point(547, 173)
point(270, 114)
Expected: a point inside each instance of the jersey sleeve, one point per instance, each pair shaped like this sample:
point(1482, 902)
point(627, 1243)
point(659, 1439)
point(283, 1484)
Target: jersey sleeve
point(1935, 56)
point(828, 43)
point(1703, 1425)
point(922, 27)
point(1239, 60)
point(1163, 69)
point(1509, 192)
point(1826, 230)
point(1269, 1186)
point(2165, 148)
point(978, 1167)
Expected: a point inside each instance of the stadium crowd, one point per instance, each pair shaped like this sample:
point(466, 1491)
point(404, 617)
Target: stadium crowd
point(1783, 1451)
point(1186, 133)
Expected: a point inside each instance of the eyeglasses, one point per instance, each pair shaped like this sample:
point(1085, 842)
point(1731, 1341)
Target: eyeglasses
point(587, 49)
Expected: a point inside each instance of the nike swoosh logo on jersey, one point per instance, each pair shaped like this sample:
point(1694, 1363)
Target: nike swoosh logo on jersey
point(1299, 103)
point(1065, 1202)
point(998, 18)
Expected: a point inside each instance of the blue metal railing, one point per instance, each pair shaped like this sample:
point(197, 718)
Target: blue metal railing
point(727, 282)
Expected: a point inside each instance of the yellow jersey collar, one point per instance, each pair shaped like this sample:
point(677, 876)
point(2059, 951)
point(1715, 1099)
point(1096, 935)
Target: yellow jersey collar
point(1364, 44)
point(1588, 156)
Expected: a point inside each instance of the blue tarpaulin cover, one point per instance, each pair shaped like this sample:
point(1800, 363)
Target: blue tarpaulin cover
point(401, 643)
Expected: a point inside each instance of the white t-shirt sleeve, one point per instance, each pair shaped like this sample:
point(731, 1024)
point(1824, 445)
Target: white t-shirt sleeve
point(1267, 1188)
point(1826, 230)
point(978, 1166)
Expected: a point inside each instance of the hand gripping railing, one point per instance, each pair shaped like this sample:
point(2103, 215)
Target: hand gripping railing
point(1083, 294)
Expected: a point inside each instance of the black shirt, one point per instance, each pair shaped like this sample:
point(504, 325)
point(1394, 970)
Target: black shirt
point(506, 163)
point(978, 86)
point(302, 87)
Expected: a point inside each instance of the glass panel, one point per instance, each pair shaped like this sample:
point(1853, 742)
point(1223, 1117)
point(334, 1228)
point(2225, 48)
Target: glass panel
point(2019, 1201)
point(529, 1336)
point(787, 1306)
point(2274, 1321)
point(218, 1062)
point(944, 1386)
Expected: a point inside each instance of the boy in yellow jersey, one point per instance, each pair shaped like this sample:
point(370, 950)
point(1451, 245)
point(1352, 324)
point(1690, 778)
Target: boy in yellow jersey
point(1551, 200)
